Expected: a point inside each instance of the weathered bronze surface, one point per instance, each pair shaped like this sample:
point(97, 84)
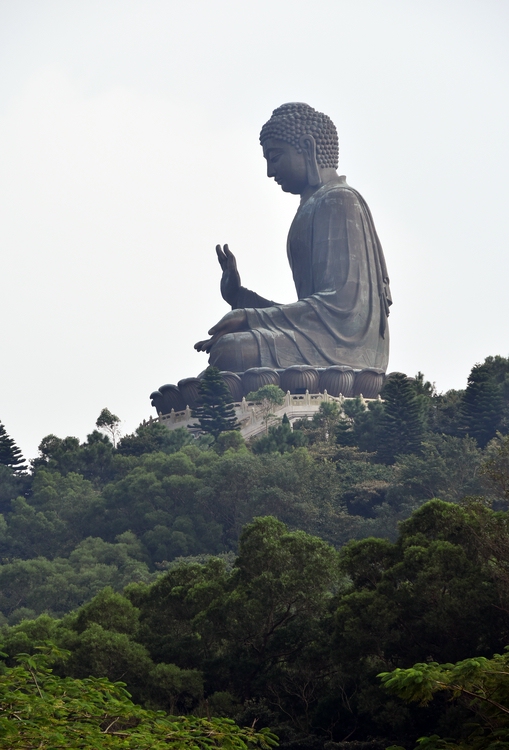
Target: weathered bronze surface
point(335, 255)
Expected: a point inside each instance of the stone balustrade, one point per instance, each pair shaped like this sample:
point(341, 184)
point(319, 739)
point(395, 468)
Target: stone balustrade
point(250, 416)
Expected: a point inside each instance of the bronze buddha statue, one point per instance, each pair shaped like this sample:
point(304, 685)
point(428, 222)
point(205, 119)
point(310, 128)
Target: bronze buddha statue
point(335, 255)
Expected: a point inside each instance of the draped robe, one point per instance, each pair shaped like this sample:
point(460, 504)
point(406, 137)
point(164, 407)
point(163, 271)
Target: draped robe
point(342, 285)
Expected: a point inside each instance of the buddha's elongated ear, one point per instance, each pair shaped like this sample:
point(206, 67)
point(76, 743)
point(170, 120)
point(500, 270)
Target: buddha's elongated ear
point(308, 146)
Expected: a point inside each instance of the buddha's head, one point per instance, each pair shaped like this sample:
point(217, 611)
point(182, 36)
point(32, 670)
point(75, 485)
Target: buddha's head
point(299, 143)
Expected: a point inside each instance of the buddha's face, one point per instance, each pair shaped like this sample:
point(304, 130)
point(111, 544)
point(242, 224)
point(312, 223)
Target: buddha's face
point(286, 165)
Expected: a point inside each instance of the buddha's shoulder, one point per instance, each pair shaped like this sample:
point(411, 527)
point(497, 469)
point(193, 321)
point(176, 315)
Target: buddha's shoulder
point(339, 190)
point(338, 186)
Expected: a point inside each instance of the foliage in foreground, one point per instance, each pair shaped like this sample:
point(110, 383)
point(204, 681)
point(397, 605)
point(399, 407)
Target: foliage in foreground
point(43, 711)
point(480, 684)
point(294, 633)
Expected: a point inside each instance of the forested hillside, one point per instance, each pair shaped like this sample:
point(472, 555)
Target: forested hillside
point(272, 582)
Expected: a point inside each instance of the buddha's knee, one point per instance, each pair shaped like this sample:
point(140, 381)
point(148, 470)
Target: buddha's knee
point(236, 352)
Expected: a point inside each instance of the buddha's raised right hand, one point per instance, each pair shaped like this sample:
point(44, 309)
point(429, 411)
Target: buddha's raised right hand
point(230, 280)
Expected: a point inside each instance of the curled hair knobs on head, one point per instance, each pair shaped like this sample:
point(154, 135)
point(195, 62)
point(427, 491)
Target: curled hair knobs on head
point(291, 121)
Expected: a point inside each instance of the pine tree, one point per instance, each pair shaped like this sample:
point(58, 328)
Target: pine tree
point(481, 410)
point(402, 422)
point(215, 412)
point(10, 454)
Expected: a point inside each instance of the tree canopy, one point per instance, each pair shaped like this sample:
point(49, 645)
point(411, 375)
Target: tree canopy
point(271, 581)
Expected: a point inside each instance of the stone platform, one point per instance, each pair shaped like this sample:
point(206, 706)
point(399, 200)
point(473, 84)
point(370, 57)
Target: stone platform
point(306, 388)
point(250, 416)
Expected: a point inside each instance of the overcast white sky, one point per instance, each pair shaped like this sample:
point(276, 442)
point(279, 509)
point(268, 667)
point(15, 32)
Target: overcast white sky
point(129, 148)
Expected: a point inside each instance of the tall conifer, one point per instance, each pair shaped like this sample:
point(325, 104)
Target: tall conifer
point(10, 454)
point(402, 423)
point(481, 409)
point(215, 412)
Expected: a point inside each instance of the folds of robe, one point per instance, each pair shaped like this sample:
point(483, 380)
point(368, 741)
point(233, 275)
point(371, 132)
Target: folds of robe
point(342, 285)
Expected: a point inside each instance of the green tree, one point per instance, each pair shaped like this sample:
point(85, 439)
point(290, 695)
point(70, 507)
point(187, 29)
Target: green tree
point(431, 595)
point(111, 611)
point(60, 512)
point(281, 438)
point(326, 420)
point(159, 501)
point(154, 437)
point(227, 491)
point(446, 467)
point(268, 397)
point(10, 454)
point(108, 653)
point(172, 626)
point(478, 683)
point(495, 467)
point(283, 581)
point(229, 441)
point(42, 710)
point(215, 412)
point(29, 587)
point(361, 426)
point(110, 423)
point(322, 427)
point(402, 423)
point(260, 632)
point(12, 484)
point(497, 369)
point(96, 459)
point(60, 454)
point(482, 405)
point(489, 537)
point(444, 413)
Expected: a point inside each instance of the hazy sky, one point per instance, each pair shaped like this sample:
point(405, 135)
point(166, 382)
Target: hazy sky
point(129, 148)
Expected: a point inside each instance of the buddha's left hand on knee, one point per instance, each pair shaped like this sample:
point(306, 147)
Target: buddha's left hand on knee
point(234, 321)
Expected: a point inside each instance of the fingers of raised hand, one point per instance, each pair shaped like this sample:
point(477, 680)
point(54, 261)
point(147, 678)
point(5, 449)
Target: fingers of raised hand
point(232, 263)
point(221, 256)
